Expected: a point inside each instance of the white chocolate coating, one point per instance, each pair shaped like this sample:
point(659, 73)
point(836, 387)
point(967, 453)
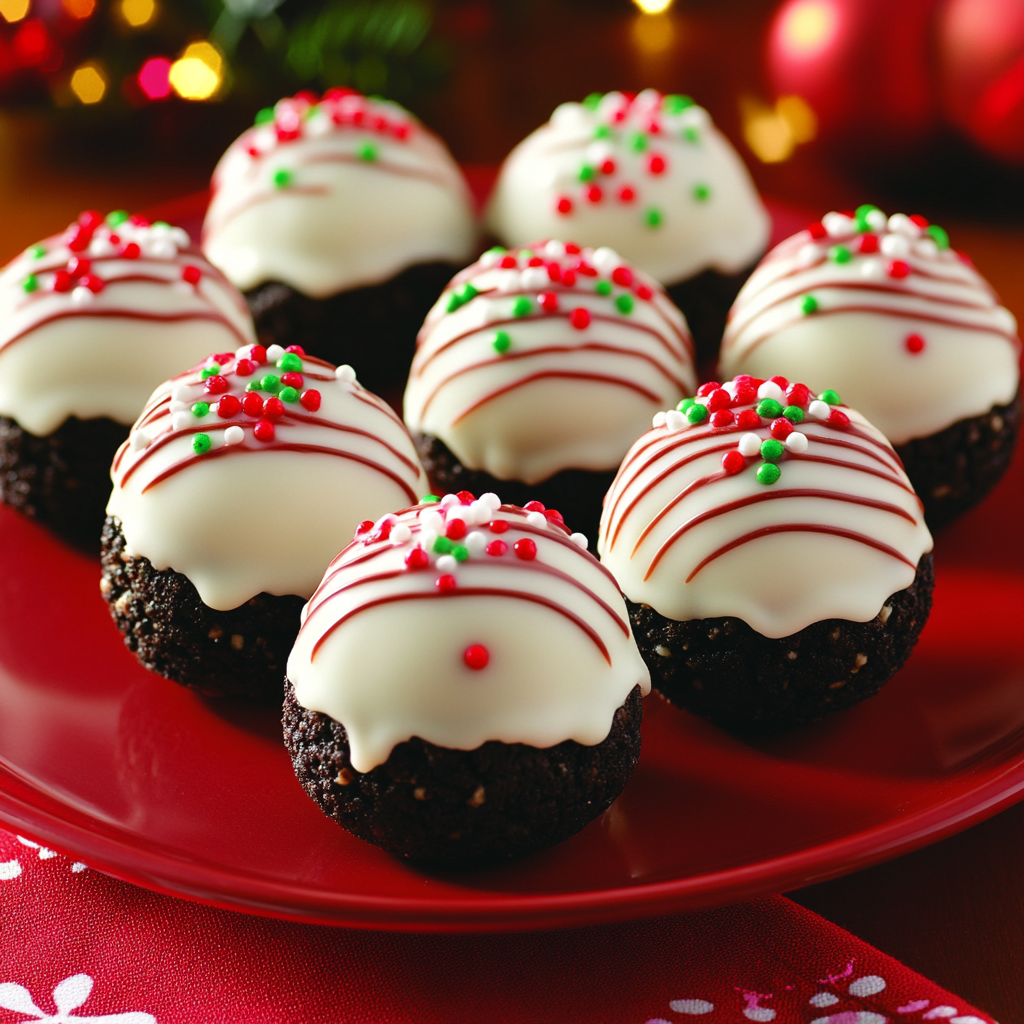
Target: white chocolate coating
point(676, 169)
point(96, 341)
point(334, 196)
point(837, 533)
point(382, 645)
point(558, 396)
point(962, 355)
point(271, 521)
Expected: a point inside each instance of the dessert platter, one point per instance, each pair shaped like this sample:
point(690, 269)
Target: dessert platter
point(753, 772)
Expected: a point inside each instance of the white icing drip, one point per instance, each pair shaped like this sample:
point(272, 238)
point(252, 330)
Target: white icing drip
point(547, 678)
point(89, 353)
point(856, 339)
point(780, 582)
point(711, 216)
point(336, 220)
point(271, 520)
point(558, 396)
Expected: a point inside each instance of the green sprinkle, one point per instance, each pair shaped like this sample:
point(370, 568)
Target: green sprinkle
point(527, 254)
point(940, 236)
point(442, 546)
point(311, 110)
point(701, 192)
point(653, 217)
point(290, 363)
point(638, 142)
point(772, 449)
point(603, 287)
point(200, 408)
point(368, 152)
point(861, 217)
point(429, 499)
point(522, 306)
point(253, 385)
point(264, 116)
point(501, 342)
point(31, 283)
point(288, 394)
point(210, 371)
point(586, 173)
point(808, 305)
point(282, 178)
point(37, 251)
point(460, 552)
point(831, 397)
point(685, 404)
point(602, 131)
point(453, 302)
point(794, 413)
point(697, 413)
point(768, 472)
point(201, 443)
point(469, 291)
point(496, 250)
point(839, 254)
point(271, 382)
point(676, 104)
point(690, 135)
point(161, 224)
point(592, 101)
point(624, 303)
point(116, 217)
point(769, 408)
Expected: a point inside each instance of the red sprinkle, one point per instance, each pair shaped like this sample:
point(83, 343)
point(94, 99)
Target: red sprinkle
point(622, 276)
point(90, 219)
point(62, 281)
point(466, 497)
point(222, 358)
point(508, 263)
point(253, 151)
point(748, 420)
point(553, 516)
point(384, 530)
point(535, 261)
point(572, 249)
point(898, 269)
point(914, 343)
point(643, 292)
point(310, 400)
point(548, 301)
point(838, 419)
point(496, 548)
point(191, 274)
point(245, 368)
point(656, 163)
point(252, 404)
point(498, 525)
point(93, 283)
point(921, 222)
point(78, 266)
point(733, 462)
point(455, 529)
point(228, 406)
point(869, 243)
point(131, 251)
point(584, 268)
point(476, 656)
point(781, 428)
point(79, 240)
point(706, 389)
point(564, 205)
point(798, 394)
point(817, 230)
point(417, 559)
point(593, 194)
point(554, 272)
point(445, 583)
point(627, 194)
point(722, 418)
point(568, 278)
point(719, 399)
point(580, 318)
point(745, 394)
point(215, 385)
point(264, 430)
point(525, 549)
point(781, 381)
point(291, 379)
point(364, 527)
point(296, 350)
point(258, 354)
point(533, 506)
point(273, 408)
point(607, 166)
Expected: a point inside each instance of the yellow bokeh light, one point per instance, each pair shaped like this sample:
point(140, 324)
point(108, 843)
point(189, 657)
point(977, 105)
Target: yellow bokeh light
point(653, 33)
point(801, 121)
point(773, 133)
point(138, 13)
point(197, 74)
point(809, 26)
point(13, 10)
point(89, 83)
point(80, 9)
point(653, 6)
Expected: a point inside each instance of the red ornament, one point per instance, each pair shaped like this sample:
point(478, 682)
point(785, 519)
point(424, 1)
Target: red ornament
point(548, 301)
point(264, 430)
point(580, 318)
point(476, 656)
point(291, 379)
point(417, 559)
point(252, 404)
point(798, 394)
point(62, 281)
point(719, 399)
point(838, 419)
point(496, 548)
point(593, 194)
point(310, 400)
point(445, 583)
point(656, 164)
point(563, 205)
point(722, 418)
point(526, 549)
point(897, 269)
point(228, 406)
point(645, 293)
point(781, 428)
point(533, 506)
point(733, 462)
point(622, 276)
point(748, 420)
point(627, 194)
point(191, 274)
point(273, 408)
point(914, 343)
point(131, 251)
point(498, 525)
point(215, 385)
point(455, 529)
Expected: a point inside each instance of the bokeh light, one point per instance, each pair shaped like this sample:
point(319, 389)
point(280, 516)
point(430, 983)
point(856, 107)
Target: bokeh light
point(808, 27)
point(653, 6)
point(138, 13)
point(198, 73)
point(89, 82)
point(154, 78)
point(773, 133)
point(79, 9)
point(653, 33)
point(13, 10)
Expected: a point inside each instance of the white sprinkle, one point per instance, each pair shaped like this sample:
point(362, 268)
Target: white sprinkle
point(508, 280)
point(694, 117)
point(808, 254)
point(447, 563)
point(536, 519)
point(876, 220)
point(837, 224)
point(769, 389)
point(926, 247)
point(274, 352)
point(797, 442)
point(895, 246)
point(491, 500)
point(702, 399)
point(181, 393)
point(750, 445)
point(490, 259)
point(318, 125)
point(243, 351)
point(449, 500)
point(819, 410)
point(598, 152)
point(610, 103)
point(234, 435)
point(161, 249)
point(903, 225)
point(535, 278)
point(579, 540)
point(81, 295)
point(476, 542)
point(658, 420)
point(554, 250)
point(606, 259)
point(568, 115)
point(160, 229)
point(431, 519)
point(179, 407)
point(101, 247)
point(872, 268)
point(675, 420)
point(344, 373)
point(140, 440)
point(181, 420)
point(427, 538)
point(181, 238)
point(400, 534)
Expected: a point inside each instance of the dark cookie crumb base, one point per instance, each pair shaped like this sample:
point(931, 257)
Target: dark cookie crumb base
point(576, 493)
point(61, 480)
point(705, 301)
point(461, 807)
point(241, 652)
point(372, 328)
point(954, 469)
point(725, 671)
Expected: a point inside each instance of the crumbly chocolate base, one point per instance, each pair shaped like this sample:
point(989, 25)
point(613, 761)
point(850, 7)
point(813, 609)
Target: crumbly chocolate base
point(725, 671)
point(954, 469)
point(446, 806)
point(705, 301)
point(61, 480)
point(372, 328)
point(241, 652)
point(576, 493)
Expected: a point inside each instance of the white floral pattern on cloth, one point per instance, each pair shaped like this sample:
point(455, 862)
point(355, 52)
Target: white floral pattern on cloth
point(13, 867)
point(940, 1012)
point(67, 995)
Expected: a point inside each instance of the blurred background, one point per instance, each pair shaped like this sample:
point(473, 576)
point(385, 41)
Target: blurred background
point(915, 105)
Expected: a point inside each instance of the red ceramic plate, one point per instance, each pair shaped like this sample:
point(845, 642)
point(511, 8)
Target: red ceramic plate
point(149, 782)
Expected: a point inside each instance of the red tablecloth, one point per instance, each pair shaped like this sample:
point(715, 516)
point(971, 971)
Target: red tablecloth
point(76, 946)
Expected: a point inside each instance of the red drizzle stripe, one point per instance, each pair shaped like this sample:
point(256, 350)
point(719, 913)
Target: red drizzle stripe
point(892, 463)
point(856, 467)
point(766, 531)
point(400, 170)
point(684, 493)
